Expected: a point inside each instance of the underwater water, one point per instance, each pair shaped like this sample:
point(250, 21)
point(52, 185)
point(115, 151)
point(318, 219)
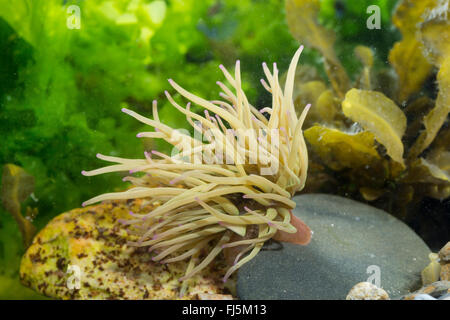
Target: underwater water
point(372, 82)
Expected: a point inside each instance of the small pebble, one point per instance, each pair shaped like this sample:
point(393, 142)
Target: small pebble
point(445, 297)
point(438, 290)
point(367, 291)
point(337, 257)
point(445, 272)
point(444, 253)
point(431, 272)
point(424, 296)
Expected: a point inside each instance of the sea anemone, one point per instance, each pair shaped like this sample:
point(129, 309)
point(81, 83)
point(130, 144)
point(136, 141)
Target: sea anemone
point(231, 191)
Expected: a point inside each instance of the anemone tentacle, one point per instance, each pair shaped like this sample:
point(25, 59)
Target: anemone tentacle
point(212, 190)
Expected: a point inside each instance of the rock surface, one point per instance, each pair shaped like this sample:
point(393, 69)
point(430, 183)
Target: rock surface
point(444, 253)
point(93, 240)
point(367, 291)
point(444, 256)
point(445, 272)
point(351, 242)
point(437, 290)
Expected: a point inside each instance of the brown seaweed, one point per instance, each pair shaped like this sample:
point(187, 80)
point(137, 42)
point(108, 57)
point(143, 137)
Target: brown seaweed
point(380, 145)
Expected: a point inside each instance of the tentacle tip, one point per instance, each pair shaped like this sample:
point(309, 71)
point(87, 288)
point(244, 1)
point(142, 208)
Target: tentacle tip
point(84, 172)
point(125, 110)
point(139, 135)
point(83, 204)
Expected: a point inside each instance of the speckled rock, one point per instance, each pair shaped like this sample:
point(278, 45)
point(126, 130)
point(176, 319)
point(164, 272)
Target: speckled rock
point(444, 253)
point(92, 240)
point(436, 290)
point(445, 272)
point(367, 291)
point(432, 272)
point(351, 242)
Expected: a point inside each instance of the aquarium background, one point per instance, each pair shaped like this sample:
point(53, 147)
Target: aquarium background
point(62, 88)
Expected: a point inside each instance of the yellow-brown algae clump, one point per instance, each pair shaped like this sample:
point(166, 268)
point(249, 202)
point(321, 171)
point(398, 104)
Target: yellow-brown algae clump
point(240, 180)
